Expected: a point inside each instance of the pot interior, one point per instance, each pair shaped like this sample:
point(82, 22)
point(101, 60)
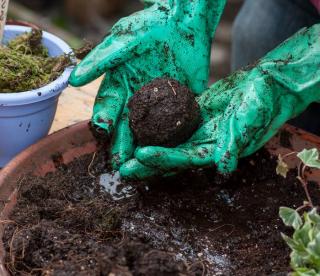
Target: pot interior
point(76, 141)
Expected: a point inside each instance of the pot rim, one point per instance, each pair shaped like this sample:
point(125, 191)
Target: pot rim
point(21, 23)
point(48, 91)
point(27, 154)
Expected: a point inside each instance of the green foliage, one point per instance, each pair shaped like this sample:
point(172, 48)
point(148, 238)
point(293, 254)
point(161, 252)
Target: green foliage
point(290, 217)
point(305, 242)
point(310, 158)
point(282, 167)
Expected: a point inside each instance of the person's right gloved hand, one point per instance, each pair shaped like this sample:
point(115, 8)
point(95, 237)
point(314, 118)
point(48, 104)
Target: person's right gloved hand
point(170, 38)
point(242, 112)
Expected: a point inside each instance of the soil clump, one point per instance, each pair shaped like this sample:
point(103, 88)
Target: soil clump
point(163, 113)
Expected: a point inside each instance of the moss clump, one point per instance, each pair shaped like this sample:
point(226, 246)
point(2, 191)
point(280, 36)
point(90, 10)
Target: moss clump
point(25, 64)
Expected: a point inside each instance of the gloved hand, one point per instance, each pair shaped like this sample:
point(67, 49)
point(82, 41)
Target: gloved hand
point(242, 112)
point(170, 38)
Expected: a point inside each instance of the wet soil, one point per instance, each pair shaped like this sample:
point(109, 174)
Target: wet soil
point(163, 113)
point(82, 220)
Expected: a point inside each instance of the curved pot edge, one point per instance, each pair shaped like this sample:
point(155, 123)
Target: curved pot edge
point(22, 163)
point(21, 23)
point(83, 128)
point(24, 156)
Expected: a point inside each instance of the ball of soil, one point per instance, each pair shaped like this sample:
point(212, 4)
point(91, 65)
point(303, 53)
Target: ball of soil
point(163, 113)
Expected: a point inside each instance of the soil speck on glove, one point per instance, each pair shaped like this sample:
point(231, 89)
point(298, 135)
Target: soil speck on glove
point(163, 113)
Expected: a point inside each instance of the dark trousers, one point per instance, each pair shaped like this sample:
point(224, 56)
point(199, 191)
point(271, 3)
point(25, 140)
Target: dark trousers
point(262, 25)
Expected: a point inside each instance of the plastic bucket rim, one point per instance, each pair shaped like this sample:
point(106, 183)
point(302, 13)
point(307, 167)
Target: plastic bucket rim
point(43, 93)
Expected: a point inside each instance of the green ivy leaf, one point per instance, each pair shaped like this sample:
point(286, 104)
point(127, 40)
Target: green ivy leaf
point(314, 216)
point(290, 217)
point(297, 260)
point(305, 242)
point(305, 272)
point(314, 247)
point(310, 158)
point(303, 234)
point(282, 167)
point(294, 245)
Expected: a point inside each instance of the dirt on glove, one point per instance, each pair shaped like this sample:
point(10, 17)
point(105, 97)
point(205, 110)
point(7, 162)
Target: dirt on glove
point(163, 113)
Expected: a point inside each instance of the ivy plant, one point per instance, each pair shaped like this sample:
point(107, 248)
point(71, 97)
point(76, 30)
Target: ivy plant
point(305, 241)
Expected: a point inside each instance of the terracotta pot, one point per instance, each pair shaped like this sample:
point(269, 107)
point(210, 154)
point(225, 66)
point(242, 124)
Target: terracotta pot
point(77, 140)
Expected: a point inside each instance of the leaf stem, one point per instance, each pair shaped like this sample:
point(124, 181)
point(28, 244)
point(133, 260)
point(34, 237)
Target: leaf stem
point(303, 181)
point(306, 205)
point(288, 154)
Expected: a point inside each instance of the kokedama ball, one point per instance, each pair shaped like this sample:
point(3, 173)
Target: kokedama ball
point(163, 113)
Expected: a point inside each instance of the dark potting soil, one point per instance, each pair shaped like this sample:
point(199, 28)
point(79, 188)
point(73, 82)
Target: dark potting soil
point(163, 113)
point(81, 220)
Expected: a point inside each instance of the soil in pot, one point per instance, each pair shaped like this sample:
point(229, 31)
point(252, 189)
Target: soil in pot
point(25, 64)
point(82, 220)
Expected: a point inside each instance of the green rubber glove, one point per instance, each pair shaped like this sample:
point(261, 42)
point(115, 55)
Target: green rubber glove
point(242, 112)
point(170, 38)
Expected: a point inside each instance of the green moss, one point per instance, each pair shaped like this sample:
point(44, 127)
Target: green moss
point(25, 64)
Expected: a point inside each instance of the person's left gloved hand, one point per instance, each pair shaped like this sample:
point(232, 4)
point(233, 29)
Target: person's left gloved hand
point(170, 38)
point(242, 112)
